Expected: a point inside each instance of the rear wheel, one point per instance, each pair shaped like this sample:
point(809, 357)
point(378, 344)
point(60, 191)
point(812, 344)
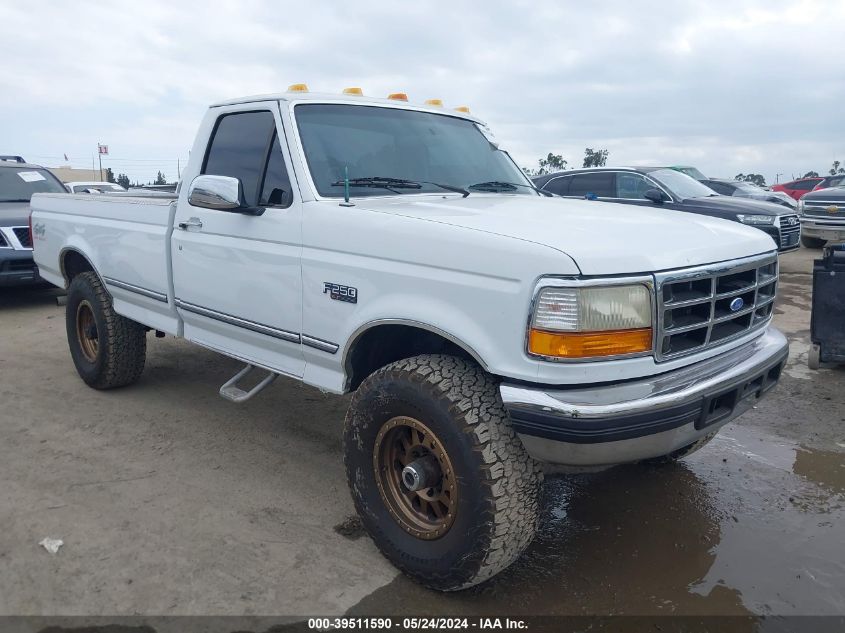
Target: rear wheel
point(812, 242)
point(440, 480)
point(108, 350)
point(814, 358)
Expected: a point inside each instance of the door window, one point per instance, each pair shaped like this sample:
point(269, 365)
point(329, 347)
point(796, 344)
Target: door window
point(559, 186)
point(631, 186)
point(245, 146)
point(276, 190)
point(599, 183)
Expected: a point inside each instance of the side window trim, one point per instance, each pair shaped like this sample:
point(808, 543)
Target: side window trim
point(551, 180)
point(273, 137)
point(615, 173)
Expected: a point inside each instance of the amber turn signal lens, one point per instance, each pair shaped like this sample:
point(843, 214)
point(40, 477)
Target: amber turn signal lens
point(589, 344)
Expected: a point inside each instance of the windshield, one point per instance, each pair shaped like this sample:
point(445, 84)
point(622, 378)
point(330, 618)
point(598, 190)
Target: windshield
point(369, 142)
point(748, 187)
point(18, 184)
point(691, 172)
point(95, 187)
point(681, 185)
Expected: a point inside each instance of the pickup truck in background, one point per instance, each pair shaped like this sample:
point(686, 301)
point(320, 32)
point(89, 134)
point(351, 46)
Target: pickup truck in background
point(395, 251)
point(822, 217)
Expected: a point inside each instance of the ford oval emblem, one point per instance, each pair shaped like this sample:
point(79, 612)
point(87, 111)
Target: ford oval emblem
point(736, 304)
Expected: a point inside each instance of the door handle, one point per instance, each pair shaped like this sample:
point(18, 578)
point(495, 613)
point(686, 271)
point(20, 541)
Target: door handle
point(190, 223)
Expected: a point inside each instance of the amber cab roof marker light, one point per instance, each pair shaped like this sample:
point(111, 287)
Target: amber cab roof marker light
point(398, 96)
point(298, 88)
point(353, 91)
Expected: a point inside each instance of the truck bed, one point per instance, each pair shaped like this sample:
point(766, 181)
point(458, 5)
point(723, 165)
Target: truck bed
point(125, 237)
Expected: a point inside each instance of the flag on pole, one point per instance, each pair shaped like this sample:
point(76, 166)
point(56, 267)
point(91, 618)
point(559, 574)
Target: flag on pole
point(103, 149)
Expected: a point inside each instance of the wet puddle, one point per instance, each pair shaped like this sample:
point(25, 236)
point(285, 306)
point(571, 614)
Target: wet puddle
point(752, 524)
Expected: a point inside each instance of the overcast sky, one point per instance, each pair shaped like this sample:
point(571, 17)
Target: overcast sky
point(727, 86)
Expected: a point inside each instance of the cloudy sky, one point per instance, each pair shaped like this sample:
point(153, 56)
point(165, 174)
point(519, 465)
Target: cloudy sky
point(728, 86)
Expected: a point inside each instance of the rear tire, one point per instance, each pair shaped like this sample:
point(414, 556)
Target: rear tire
point(814, 358)
point(679, 454)
point(108, 350)
point(812, 242)
point(479, 511)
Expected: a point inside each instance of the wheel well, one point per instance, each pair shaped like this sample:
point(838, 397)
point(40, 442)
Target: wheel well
point(74, 263)
point(384, 344)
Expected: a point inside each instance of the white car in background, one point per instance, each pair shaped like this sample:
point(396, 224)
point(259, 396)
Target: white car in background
point(94, 187)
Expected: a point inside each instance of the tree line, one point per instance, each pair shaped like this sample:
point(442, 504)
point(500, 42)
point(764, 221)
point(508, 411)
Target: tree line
point(123, 179)
point(556, 162)
point(598, 158)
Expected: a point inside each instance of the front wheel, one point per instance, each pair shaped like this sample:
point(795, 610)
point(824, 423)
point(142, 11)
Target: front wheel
point(440, 480)
point(108, 350)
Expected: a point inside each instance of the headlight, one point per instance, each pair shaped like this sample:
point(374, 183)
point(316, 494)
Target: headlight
point(800, 207)
point(755, 219)
point(591, 321)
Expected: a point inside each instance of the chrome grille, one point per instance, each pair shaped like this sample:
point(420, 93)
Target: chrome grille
point(820, 209)
point(700, 308)
point(790, 229)
point(22, 233)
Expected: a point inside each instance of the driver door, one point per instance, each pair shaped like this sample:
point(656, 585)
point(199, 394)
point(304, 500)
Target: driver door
point(236, 276)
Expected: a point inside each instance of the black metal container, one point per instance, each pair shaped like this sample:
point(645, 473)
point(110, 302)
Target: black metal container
point(827, 323)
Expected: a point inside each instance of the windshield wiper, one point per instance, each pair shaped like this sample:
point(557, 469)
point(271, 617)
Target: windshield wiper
point(497, 186)
point(390, 184)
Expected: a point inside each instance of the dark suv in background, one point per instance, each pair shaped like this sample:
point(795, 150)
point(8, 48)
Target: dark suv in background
point(742, 189)
point(18, 181)
point(672, 189)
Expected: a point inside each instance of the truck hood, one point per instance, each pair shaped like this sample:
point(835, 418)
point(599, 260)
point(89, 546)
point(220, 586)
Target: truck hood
point(14, 213)
point(602, 238)
point(832, 194)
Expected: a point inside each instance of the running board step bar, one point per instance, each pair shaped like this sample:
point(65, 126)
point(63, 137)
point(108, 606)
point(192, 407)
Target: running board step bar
point(230, 391)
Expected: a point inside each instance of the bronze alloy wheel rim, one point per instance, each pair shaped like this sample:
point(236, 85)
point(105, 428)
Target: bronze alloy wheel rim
point(405, 446)
point(86, 331)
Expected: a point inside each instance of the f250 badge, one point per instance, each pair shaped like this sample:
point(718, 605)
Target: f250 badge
point(39, 230)
point(340, 293)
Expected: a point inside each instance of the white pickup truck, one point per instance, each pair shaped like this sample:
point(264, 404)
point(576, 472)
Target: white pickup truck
point(395, 251)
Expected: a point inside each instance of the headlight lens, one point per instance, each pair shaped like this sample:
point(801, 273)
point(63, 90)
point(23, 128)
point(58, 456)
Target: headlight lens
point(592, 321)
point(755, 219)
point(800, 207)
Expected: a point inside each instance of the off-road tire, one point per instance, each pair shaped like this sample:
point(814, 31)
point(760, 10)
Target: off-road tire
point(812, 242)
point(121, 343)
point(498, 483)
point(682, 452)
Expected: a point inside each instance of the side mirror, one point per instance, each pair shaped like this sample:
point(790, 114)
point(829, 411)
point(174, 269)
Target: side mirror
point(221, 193)
point(655, 195)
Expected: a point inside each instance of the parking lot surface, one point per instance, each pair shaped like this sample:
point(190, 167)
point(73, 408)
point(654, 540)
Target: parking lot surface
point(170, 500)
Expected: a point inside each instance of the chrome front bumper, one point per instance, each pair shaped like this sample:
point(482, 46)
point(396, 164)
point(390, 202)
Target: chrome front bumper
point(639, 419)
point(832, 230)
